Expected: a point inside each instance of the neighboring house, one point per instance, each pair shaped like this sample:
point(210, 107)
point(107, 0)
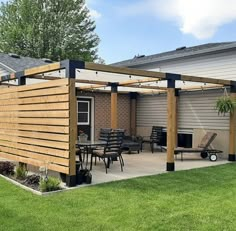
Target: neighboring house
point(95, 106)
point(196, 111)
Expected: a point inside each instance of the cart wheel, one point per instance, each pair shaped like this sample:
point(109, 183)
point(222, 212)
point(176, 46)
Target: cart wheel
point(204, 155)
point(213, 157)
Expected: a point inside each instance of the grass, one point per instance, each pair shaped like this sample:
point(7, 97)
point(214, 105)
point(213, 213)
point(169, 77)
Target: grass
point(199, 199)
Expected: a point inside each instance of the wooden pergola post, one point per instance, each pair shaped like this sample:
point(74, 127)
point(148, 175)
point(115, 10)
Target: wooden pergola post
point(171, 122)
point(114, 116)
point(133, 106)
point(232, 124)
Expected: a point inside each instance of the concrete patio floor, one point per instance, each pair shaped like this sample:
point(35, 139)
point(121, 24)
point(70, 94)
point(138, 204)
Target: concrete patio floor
point(144, 164)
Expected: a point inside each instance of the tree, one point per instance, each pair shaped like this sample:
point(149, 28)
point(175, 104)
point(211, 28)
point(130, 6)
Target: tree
point(55, 29)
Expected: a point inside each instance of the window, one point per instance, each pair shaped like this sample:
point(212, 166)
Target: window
point(83, 112)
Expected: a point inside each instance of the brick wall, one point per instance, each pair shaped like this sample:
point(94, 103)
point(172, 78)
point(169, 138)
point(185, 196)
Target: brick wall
point(102, 117)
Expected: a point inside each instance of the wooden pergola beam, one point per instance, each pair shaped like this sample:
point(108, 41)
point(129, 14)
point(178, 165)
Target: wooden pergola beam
point(133, 81)
point(147, 87)
point(76, 80)
point(87, 87)
point(123, 70)
point(215, 86)
point(205, 80)
point(42, 69)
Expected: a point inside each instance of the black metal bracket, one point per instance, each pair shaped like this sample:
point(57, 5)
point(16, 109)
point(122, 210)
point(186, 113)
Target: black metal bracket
point(114, 87)
point(231, 157)
point(170, 167)
point(70, 67)
point(171, 78)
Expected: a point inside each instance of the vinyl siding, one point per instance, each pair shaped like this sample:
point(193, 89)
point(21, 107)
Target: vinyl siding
point(151, 110)
point(195, 110)
point(220, 66)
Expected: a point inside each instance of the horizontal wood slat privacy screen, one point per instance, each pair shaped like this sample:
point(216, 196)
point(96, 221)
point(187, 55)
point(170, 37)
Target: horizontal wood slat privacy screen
point(35, 125)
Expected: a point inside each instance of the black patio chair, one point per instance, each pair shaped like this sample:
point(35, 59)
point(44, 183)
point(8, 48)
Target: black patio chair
point(155, 138)
point(111, 151)
point(104, 133)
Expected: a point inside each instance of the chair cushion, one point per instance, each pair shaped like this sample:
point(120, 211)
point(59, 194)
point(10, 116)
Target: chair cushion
point(98, 152)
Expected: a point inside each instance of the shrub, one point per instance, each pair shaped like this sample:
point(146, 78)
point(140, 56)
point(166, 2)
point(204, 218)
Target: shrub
point(32, 179)
point(49, 184)
point(21, 172)
point(7, 168)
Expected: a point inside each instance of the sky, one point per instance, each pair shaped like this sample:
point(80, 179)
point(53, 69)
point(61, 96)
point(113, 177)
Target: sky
point(146, 27)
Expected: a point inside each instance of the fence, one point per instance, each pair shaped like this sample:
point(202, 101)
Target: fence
point(38, 125)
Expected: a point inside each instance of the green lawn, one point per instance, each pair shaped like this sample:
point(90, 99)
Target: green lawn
point(201, 199)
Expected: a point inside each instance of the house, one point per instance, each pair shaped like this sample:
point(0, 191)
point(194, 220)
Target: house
point(196, 109)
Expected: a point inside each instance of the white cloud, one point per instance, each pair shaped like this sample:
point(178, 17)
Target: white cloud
point(94, 14)
point(201, 18)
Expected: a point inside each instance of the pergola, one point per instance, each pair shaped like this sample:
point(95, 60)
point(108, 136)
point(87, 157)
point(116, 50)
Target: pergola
point(132, 80)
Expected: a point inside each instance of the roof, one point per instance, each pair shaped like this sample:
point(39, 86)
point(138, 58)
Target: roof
point(178, 53)
point(11, 63)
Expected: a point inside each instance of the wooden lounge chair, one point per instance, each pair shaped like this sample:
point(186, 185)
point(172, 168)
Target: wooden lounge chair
point(203, 148)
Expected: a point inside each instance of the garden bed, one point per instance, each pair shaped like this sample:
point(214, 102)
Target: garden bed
point(38, 184)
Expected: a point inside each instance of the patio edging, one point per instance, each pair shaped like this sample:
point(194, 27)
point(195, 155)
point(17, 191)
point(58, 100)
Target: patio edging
point(30, 189)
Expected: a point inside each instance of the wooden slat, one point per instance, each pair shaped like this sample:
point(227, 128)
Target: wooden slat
point(53, 167)
point(36, 114)
point(42, 69)
point(37, 156)
point(38, 142)
point(33, 148)
point(49, 84)
point(42, 92)
point(34, 124)
point(40, 128)
point(124, 70)
point(36, 93)
point(45, 121)
point(37, 135)
point(36, 107)
point(36, 100)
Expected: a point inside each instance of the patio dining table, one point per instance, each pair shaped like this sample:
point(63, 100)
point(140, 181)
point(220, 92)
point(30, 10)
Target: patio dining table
point(88, 145)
